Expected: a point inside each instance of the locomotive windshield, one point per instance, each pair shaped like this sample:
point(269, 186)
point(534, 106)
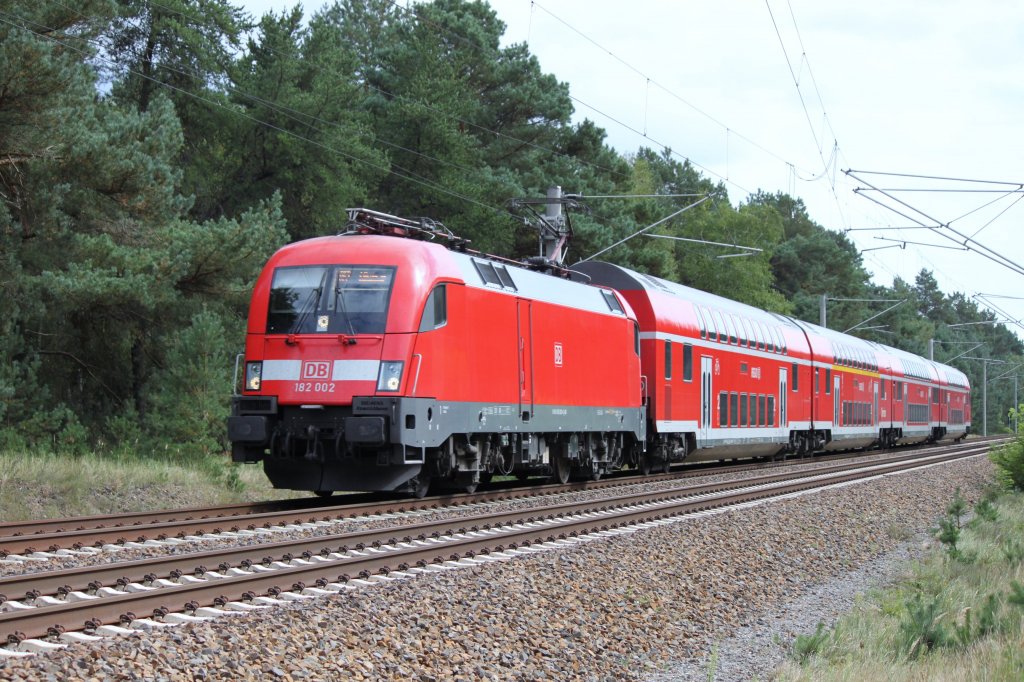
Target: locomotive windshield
point(330, 299)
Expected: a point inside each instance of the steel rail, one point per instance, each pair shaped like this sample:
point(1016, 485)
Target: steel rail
point(38, 622)
point(89, 578)
point(40, 535)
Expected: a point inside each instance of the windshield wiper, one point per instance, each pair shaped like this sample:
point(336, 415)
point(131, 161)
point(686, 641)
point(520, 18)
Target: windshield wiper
point(340, 294)
point(311, 304)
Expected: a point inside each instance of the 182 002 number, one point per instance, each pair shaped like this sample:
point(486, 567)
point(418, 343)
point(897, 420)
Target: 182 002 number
point(314, 387)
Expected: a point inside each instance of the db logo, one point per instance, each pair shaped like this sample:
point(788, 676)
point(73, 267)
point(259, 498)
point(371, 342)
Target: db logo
point(316, 370)
point(558, 355)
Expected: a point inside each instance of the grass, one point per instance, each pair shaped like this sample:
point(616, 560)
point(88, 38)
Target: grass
point(36, 485)
point(958, 614)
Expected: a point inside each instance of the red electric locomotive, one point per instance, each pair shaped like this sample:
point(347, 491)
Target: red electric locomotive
point(381, 363)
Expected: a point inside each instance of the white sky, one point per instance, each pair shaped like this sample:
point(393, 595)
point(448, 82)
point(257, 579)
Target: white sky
point(915, 87)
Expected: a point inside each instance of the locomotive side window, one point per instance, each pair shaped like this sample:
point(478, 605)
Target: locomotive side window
point(611, 301)
point(668, 359)
point(636, 339)
point(435, 312)
point(346, 299)
point(687, 362)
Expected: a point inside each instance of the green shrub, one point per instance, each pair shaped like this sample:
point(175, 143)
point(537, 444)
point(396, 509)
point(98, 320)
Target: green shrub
point(921, 629)
point(986, 511)
point(806, 646)
point(1009, 460)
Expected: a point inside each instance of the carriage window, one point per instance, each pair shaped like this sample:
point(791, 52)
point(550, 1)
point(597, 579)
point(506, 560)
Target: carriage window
point(730, 322)
point(734, 415)
point(700, 322)
point(771, 410)
point(828, 381)
point(435, 312)
point(744, 415)
point(687, 362)
point(668, 359)
point(882, 388)
point(723, 409)
point(636, 339)
point(753, 410)
point(796, 377)
point(760, 410)
point(723, 332)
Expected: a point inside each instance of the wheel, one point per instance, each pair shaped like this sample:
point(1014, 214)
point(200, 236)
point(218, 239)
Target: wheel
point(323, 493)
point(421, 486)
point(560, 468)
point(645, 465)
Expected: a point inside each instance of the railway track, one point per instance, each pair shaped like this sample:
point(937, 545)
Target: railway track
point(41, 538)
point(41, 610)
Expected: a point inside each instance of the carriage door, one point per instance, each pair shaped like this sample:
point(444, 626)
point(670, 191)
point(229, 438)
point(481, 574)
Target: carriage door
point(783, 397)
point(874, 415)
point(705, 397)
point(835, 399)
point(525, 361)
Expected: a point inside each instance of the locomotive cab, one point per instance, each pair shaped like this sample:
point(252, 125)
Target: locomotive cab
point(328, 350)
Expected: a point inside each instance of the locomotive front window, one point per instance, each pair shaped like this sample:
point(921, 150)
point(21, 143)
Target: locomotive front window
point(333, 299)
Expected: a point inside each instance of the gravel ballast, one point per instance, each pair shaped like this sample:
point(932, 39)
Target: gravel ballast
point(645, 605)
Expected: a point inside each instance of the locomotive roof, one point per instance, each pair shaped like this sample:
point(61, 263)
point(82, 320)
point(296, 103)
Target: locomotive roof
point(432, 261)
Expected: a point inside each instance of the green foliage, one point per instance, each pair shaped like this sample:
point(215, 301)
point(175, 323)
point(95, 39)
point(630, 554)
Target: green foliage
point(986, 511)
point(806, 646)
point(1009, 461)
point(921, 629)
point(957, 507)
point(1016, 596)
point(1013, 551)
point(971, 629)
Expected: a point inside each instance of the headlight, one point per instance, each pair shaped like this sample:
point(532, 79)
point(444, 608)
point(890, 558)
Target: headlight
point(253, 375)
point(390, 377)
